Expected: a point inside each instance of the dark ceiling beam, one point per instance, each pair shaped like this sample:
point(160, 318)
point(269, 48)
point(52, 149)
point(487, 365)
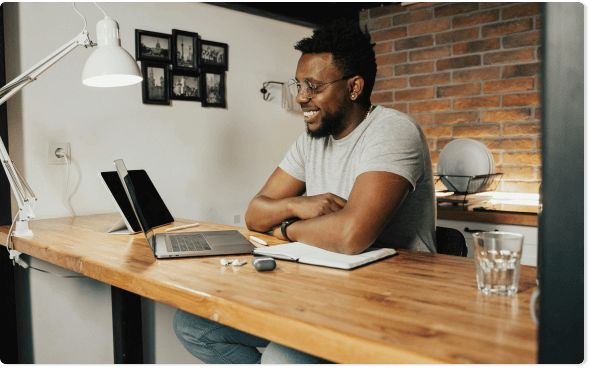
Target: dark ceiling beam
point(311, 15)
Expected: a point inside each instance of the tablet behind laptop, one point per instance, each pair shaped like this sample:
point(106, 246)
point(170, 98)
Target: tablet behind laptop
point(206, 243)
point(157, 213)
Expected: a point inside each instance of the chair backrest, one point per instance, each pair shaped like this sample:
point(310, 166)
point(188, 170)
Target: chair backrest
point(450, 241)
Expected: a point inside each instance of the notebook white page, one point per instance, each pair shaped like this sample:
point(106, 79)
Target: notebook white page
point(308, 254)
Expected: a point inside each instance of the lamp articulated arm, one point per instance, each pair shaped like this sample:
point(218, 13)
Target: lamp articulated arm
point(23, 193)
point(109, 66)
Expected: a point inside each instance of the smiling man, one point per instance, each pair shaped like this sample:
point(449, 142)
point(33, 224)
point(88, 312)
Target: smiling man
point(365, 170)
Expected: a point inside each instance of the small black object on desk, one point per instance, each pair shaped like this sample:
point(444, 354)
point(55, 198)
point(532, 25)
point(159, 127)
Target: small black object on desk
point(264, 263)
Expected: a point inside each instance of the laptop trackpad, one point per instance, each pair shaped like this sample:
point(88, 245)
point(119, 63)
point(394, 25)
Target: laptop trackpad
point(217, 240)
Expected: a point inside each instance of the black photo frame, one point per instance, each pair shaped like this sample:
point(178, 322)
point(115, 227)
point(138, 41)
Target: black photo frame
point(154, 89)
point(213, 90)
point(213, 55)
point(185, 50)
point(185, 86)
point(153, 46)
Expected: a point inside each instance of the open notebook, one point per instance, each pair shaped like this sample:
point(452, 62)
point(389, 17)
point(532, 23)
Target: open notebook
point(303, 253)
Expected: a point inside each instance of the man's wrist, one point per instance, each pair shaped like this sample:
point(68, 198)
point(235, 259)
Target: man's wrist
point(286, 223)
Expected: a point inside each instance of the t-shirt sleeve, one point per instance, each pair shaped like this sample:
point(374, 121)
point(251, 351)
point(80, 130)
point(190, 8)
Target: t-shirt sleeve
point(396, 148)
point(294, 161)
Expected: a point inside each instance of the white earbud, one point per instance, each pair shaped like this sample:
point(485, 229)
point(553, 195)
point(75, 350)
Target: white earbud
point(238, 263)
point(225, 262)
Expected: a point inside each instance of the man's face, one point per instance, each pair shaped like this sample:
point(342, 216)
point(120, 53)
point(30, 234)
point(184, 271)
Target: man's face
point(324, 113)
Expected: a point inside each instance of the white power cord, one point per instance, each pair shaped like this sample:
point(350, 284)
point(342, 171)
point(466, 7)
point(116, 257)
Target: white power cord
point(85, 23)
point(15, 254)
point(62, 154)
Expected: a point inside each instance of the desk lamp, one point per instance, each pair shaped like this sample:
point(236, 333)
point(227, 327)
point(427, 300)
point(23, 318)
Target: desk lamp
point(109, 66)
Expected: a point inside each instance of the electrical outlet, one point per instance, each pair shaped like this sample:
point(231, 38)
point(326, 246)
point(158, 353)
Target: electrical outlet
point(52, 158)
point(237, 219)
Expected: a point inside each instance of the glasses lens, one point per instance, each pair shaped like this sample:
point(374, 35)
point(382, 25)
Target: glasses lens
point(307, 88)
point(293, 87)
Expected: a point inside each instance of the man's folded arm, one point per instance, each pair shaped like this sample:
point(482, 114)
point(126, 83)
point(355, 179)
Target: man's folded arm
point(272, 204)
point(374, 199)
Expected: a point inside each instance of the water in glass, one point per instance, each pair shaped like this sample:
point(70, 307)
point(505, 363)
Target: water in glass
point(498, 271)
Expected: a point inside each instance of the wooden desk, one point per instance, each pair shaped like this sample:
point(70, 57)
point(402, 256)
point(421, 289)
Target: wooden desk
point(412, 308)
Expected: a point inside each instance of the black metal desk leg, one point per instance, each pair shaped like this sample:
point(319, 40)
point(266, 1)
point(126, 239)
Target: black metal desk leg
point(8, 348)
point(127, 334)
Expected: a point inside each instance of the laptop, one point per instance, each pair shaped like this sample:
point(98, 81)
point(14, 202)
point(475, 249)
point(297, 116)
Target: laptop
point(193, 244)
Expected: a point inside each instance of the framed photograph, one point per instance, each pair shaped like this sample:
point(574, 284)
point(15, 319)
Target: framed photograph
point(185, 86)
point(155, 83)
point(184, 50)
point(153, 46)
point(213, 82)
point(213, 55)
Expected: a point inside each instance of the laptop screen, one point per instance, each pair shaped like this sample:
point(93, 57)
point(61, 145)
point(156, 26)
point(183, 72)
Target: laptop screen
point(148, 206)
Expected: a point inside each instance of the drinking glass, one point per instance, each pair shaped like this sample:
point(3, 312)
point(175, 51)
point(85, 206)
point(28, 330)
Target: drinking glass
point(497, 262)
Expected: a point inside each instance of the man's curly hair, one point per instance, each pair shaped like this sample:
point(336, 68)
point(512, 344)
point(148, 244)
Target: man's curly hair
point(351, 49)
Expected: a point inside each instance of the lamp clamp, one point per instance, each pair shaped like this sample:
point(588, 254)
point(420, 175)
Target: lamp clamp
point(14, 255)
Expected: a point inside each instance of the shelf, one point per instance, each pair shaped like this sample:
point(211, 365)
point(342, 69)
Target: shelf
point(489, 216)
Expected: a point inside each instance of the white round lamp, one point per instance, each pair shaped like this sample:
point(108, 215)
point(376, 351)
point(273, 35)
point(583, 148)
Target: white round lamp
point(110, 65)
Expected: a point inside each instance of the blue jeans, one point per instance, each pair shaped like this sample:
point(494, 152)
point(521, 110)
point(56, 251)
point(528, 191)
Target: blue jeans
point(215, 343)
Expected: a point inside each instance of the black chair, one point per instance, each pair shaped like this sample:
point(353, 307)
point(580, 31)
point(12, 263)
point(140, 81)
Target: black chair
point(450, 241)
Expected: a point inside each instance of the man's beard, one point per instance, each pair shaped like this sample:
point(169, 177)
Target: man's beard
point(330, 126)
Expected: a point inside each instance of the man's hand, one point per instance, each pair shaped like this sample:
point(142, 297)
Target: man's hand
point(281, 198)
point(312, 207)
point(374, 199)
point(271, 205)
point(316, 206)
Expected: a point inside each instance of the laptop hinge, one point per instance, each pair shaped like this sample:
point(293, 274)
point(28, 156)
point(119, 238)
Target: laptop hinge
point(152, 243)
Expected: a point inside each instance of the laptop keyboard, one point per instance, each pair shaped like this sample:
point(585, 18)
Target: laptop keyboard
point(187, 243)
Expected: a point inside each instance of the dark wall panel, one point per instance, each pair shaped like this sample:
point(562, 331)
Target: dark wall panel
point(561, 330)
point(8, 347)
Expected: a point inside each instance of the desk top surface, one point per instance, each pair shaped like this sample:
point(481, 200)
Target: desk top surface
point(412, 308)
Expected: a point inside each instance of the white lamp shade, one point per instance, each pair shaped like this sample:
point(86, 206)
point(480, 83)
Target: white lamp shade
point(110, 66)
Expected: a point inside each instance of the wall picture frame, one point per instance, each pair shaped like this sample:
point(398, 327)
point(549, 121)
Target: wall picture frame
point(154, 89)
point(185, 86)
point(213, 55)
point(185, 50)
point(153, 46)
point(213, 90)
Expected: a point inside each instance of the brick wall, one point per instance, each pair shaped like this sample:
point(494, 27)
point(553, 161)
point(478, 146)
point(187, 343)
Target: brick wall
point(466, 70)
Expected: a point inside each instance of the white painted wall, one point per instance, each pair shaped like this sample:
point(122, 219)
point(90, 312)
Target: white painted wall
point(207, 163)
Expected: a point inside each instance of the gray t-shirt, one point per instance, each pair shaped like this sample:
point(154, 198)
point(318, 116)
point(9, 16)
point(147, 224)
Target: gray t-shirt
point(387, 140)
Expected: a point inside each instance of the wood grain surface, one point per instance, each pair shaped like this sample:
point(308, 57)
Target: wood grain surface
point(412, 308)
point(495, 217)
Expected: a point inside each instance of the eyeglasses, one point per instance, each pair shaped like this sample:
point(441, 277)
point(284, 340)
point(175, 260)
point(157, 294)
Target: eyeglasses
point(309, 90)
